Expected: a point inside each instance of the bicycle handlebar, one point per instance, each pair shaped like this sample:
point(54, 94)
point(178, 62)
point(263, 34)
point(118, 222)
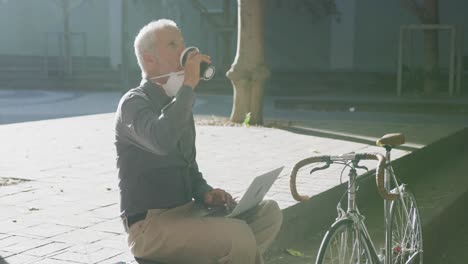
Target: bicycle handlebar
point(329, 159)
point(300, 164)
point(379, 174)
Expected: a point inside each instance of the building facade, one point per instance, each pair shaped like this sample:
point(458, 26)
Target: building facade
point(301, 37)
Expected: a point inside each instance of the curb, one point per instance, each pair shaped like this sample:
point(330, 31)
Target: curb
point(307, 219)
point(377, 104)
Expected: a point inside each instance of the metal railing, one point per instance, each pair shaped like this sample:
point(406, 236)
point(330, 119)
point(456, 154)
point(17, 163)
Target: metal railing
point(455, 53)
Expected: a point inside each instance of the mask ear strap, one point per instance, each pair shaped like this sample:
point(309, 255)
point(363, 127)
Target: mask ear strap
point(161, 76)
point(179, 73)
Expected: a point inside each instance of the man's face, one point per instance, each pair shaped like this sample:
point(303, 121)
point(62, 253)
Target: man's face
point(169, 46)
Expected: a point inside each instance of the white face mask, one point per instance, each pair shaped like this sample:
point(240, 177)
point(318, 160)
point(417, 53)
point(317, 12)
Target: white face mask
point(173, 84)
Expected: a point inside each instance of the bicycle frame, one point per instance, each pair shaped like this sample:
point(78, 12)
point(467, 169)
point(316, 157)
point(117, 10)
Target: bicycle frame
point(388, 221)
point(389, 176)
point(354, 214)
point(405, 216)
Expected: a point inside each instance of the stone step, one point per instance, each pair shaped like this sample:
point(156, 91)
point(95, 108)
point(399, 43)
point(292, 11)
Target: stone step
point(69, 84)
point(14, 74)
point(38, 61)
point(387, 103)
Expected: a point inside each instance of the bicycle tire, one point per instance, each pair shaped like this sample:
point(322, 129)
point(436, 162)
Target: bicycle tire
point(342, 227)
point(406, 229)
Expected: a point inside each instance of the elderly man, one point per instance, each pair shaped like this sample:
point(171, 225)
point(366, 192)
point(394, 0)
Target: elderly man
point(159, 178)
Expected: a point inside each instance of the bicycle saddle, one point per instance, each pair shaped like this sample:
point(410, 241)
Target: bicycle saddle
point(394, 139)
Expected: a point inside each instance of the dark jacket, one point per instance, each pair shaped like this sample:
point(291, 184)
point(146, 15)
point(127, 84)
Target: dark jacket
point(156, 156)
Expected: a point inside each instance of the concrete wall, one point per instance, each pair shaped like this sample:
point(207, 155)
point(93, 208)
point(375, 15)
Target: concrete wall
point(23, 24)
point(21, 36)
point(297, 40)
point(454, 13)
point(195, 29)
point(378, 23)
point(342, 34)
point(377, 32)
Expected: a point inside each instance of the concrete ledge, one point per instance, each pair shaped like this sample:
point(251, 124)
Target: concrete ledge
point(308, 219)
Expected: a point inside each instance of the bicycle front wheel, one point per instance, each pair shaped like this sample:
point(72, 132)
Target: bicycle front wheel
point(344, 244)
point(406, 230)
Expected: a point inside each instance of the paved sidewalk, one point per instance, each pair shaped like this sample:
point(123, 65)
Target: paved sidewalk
point(30, 105)
point(68, 210)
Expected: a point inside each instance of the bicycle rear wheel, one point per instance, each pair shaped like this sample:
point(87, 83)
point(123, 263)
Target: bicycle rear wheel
point(406, 230)
point(344, 243)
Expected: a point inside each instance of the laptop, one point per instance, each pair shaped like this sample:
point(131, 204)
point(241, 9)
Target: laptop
point(251, 198)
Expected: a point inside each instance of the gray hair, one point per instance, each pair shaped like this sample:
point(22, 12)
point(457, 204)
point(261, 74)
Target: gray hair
point(146, 38)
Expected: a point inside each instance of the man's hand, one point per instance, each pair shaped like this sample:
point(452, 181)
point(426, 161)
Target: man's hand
point(192, 68)
point(219, 197)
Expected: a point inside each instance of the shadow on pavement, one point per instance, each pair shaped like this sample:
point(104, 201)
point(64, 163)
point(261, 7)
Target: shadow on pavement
point(2, 261)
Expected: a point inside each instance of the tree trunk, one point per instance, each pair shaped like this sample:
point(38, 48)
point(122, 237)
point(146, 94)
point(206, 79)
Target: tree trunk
point(248, 73)
point(431, 46)
point(227, 35)
point(428, 13)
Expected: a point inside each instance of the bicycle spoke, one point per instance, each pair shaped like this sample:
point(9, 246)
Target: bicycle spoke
point(355, 247)
point(348, 241)
point(406, 231)
point(346, 246)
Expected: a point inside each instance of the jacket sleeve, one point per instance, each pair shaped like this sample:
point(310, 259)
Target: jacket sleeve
point(199, 185)
point(155, 132)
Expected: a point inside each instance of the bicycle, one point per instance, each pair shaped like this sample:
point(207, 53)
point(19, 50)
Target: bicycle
point(347, 240)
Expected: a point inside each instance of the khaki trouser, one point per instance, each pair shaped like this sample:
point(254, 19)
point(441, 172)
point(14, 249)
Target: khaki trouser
point(177, 236)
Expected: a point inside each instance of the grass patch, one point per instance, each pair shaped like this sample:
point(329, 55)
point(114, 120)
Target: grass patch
point(6, 181)
point(224, 121)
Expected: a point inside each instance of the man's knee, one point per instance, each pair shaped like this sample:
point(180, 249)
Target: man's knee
point(273, 212)
point(243, 237)
point(243, 245)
